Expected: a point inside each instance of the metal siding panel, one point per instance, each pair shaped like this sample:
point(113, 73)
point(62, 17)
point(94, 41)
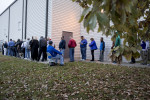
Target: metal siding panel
point(65, 17)
point(16, 21)
point(4, 26)
point(36, 18)
point(50, 19)
point(24, 19)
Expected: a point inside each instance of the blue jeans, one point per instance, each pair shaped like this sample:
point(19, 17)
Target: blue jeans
point(101, 57)
point(27, 53)
point(8, 52)
point(11, 51)
point(71, 54)
point(59, 57)
point(62, 51)
point(83, 53)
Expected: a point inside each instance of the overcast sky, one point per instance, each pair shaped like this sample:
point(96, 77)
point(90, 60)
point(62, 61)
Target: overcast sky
point(4, 4)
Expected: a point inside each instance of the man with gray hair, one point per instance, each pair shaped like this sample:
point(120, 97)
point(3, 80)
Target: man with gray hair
point(42, 49)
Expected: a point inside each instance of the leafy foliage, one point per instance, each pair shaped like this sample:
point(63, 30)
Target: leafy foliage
point(124, 14)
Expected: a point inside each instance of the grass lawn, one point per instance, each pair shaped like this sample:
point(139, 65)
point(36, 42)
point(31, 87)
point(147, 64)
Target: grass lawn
point(20, 79)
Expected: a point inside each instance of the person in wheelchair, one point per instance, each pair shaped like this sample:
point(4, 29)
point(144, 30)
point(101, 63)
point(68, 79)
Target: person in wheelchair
point(54, 54)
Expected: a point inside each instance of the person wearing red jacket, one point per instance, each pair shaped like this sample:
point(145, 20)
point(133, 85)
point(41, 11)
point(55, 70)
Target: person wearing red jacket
point(72, 44)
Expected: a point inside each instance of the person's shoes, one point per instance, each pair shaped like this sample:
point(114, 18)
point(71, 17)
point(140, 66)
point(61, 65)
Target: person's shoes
point(61, 64)
point(56, 64)
point(92, 60)
point(143, 64)
point(81, 59)
point(114, 62)
point(71, 61)
point(51, 63)
point(131, 63)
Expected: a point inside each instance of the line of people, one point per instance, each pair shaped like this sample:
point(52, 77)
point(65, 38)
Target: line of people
point(33, 49)
point(39, 49)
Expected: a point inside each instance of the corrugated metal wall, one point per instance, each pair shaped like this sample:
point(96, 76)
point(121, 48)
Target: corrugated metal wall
point(4, 26)
point(23, 20)
point(16, 20)
point(65, 17)
point(49, 19)
point(36, 18)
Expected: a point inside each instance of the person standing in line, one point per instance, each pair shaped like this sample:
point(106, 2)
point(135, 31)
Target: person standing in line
point(15, 49)
point(93, 47)
point(83, 46)
point(31, 46)
point(11, 45)
point(112, 56)
point(34, 49)
point(19, 43)
point(72, 44)
point(102, 49)
point(23, 45)
point(27, 49)
point(117, 43)
point(62, 45)
point(5, 48)
point(144, 52)
point(2, 48)
point(42, 49)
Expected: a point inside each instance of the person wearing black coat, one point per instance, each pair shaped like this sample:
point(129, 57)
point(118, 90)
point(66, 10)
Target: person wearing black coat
point(62, 45)
point(42, 49)
point(5, 48)
point(34, 49)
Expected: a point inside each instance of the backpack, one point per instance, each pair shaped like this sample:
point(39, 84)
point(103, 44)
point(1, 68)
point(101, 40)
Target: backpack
point(28, 45)
point(103, 45)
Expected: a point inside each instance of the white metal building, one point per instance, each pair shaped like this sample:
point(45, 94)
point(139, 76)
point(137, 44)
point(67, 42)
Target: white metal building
point(50, 18)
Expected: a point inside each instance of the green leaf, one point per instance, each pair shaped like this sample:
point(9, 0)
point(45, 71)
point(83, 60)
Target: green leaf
point(128, 56)
point(134, 50)
point(89, 2)
point(117, 54)
point(117, 48)
point(93, 22)
point(86, 11)
point(123, 17)
point(81, 19)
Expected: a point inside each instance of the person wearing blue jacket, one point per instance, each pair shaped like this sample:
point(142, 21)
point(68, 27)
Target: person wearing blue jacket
point(102, 49)
point(93, 47)
point(11, 45)
point(83, 46)
point(55, 54)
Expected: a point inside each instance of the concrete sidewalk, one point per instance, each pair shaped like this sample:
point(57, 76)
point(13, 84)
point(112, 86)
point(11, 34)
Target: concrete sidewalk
point(105, 62)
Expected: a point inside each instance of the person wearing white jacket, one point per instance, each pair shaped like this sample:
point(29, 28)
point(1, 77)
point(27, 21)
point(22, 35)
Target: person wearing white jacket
point(26, 45)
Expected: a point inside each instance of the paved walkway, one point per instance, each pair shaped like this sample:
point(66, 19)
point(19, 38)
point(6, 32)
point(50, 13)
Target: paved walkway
point(123, 64)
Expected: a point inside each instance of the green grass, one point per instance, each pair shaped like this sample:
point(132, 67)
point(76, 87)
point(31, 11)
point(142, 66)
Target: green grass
point(20, 79)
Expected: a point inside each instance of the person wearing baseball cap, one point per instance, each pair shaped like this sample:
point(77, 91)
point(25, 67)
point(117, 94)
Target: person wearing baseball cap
point(55, 54)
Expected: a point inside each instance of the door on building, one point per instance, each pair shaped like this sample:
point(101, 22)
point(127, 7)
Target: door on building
point(67, 38)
